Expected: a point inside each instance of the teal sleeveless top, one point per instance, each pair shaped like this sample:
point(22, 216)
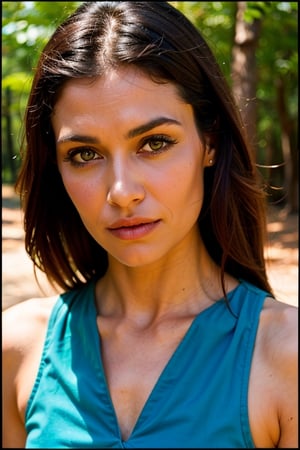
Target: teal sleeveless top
point(199, 400)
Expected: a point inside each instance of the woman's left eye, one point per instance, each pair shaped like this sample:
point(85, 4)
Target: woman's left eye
point(157, 144)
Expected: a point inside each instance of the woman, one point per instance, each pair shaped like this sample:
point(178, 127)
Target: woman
point(142, 203)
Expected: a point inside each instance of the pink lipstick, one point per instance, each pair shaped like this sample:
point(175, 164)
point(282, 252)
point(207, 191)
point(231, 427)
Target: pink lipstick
point(134, 228)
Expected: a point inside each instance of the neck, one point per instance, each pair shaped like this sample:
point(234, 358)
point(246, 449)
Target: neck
point(185, 281)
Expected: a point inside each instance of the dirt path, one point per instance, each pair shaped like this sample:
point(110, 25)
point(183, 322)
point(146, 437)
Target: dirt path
point(18, 281)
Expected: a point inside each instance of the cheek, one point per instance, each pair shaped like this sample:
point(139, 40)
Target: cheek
point(188, 181)
point(81, 190)
point(181, 193)
point(190, 170)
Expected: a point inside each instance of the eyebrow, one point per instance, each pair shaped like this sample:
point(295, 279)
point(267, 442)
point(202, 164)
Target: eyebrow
point(150, 125)
point(77, 138)
point(131, 134)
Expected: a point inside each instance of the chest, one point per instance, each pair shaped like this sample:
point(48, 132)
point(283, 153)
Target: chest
point(150, 389)
point(136, 366)
point(133, 363)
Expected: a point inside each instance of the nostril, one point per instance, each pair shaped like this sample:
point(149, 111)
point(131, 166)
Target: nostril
point(123, 195)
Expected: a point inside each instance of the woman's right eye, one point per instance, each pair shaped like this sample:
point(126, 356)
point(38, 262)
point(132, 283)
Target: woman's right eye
point(81, 156)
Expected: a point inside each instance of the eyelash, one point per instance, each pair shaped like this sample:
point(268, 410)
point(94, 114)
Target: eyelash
point(72, 153)
point(166, 142)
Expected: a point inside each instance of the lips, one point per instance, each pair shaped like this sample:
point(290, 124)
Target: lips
point(134, 228)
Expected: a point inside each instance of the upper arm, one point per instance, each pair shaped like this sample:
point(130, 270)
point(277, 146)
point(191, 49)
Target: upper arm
point(23, 332)
point(13, 430)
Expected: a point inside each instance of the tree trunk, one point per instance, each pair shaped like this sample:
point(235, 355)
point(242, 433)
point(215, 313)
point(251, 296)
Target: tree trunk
point(244, 74)
point(289, 151)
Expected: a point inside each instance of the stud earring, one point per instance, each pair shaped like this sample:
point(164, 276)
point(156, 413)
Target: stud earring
point(210, 161)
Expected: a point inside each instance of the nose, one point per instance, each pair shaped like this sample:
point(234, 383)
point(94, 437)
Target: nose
point(126, 187)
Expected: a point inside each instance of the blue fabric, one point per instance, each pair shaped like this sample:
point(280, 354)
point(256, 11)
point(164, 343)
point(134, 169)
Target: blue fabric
point(199, 401)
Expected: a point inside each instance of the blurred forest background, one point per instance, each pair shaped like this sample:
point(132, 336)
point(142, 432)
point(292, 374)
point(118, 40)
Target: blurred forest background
point(256, 44)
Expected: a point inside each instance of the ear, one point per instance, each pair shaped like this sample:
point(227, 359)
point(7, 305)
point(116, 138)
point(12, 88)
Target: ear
point(210, 153)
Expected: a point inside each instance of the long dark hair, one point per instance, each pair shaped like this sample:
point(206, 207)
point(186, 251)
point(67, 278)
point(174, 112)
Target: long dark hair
point(158, 39)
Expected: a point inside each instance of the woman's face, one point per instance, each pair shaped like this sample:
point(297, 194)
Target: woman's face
point(132, 163)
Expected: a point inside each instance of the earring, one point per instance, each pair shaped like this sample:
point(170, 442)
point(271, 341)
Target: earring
point(210, 161)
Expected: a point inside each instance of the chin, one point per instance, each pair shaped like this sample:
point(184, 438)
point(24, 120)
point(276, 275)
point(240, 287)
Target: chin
point(136, 259)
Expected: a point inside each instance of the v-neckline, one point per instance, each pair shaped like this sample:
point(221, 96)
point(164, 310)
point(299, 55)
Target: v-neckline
point(166, 369)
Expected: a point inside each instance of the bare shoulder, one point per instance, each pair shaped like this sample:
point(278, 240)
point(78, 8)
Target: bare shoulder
point(22, 322)
point(279, 331)
point(24, 327)
point(278, 336)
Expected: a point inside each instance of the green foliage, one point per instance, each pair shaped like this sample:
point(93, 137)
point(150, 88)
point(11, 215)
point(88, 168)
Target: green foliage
point(276, 57)
point(215, 21)
point(257, 10)
point(26, 27)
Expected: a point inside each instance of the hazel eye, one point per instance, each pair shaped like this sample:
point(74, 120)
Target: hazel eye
point(157, 144)
point(87, 154)
point(81, 156)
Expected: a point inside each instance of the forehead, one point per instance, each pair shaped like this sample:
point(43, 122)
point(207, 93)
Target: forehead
point(118, 97)
point(115, 85)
